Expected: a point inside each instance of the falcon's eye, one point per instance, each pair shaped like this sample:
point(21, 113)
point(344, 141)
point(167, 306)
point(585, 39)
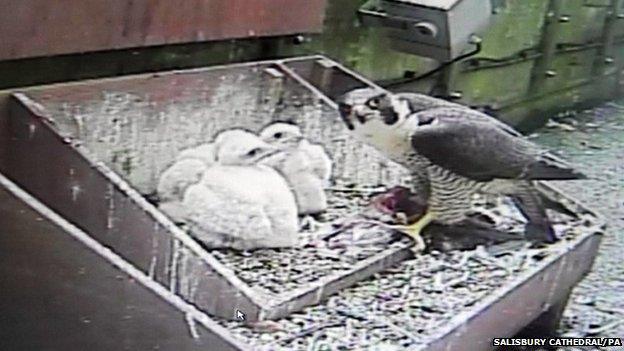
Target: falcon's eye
point(278, 135)
point(253, 152)
point(373, 103)
point(390, 117)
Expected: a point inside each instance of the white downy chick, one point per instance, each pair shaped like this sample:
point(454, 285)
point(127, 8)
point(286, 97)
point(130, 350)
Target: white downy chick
point(179, 176)
point(241, 202)
point(305, 168)
point(202, 152)
point(187, 170)
point(321, 162)
point(288, 136)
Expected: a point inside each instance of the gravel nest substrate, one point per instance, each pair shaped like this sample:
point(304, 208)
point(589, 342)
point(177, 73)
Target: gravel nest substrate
point(594, 140)
point(401, 307)
point(277, 271)
point(280, 270)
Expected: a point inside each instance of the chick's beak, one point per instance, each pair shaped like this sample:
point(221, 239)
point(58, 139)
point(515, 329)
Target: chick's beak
point(267, 153)
point(296, 139)
point(346, 111)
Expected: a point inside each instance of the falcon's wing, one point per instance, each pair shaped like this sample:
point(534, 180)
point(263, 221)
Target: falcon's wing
point(420, 102)
point(482, 150)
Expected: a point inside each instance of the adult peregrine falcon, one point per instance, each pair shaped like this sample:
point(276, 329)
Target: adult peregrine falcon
point(458, 151)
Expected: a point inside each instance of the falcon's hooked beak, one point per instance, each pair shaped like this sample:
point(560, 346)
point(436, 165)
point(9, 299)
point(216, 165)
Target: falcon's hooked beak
point(346, 113)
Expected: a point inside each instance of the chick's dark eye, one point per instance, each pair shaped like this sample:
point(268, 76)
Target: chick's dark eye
point(278, 135)
point(253, 152)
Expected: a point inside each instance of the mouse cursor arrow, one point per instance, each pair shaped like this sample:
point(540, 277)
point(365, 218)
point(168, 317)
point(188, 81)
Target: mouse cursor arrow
point(240, 315)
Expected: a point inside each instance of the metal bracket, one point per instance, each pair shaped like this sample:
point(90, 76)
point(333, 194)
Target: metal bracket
point(596, 3)
point(371, 14)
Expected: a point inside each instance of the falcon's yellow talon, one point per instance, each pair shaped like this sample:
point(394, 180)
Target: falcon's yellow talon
point(413, 230)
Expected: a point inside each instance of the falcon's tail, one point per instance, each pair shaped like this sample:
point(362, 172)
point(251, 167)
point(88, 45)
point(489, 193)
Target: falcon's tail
point(540, 232)
point(530, 204)
point(550, 167)
point(555, 205)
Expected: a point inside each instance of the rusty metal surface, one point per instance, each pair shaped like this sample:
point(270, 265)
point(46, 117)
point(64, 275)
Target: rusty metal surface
point(330, 78)
point(542, 292)
point(33, 28)
point(136, 125)
point(4, 119)
point(309, 296)
point(537, 291)
point(95, 200)
point(59, 293)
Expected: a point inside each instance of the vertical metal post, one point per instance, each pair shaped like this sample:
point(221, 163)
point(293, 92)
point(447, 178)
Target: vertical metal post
point(275, 88)
point(322, 74)
point(446, 81)
point(620, 81)
point(604, 58)
point(548, 45)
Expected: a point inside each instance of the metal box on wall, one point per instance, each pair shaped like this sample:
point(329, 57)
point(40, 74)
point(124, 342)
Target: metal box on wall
point(438, 29)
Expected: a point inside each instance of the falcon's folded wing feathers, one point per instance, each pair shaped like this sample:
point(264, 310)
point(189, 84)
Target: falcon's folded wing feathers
point(479, 149)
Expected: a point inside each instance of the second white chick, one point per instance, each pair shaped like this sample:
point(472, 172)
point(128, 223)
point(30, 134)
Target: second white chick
point(286, 136)
point(241, 202)
point(307, 168)
point(203, 152)
point(187, 170)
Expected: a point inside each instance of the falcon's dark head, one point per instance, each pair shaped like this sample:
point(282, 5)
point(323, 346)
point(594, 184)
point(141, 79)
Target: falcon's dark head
point(377, 118)
point(360, 107)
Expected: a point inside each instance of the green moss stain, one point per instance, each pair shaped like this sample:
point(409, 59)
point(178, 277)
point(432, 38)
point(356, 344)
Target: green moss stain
point(122, 160)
